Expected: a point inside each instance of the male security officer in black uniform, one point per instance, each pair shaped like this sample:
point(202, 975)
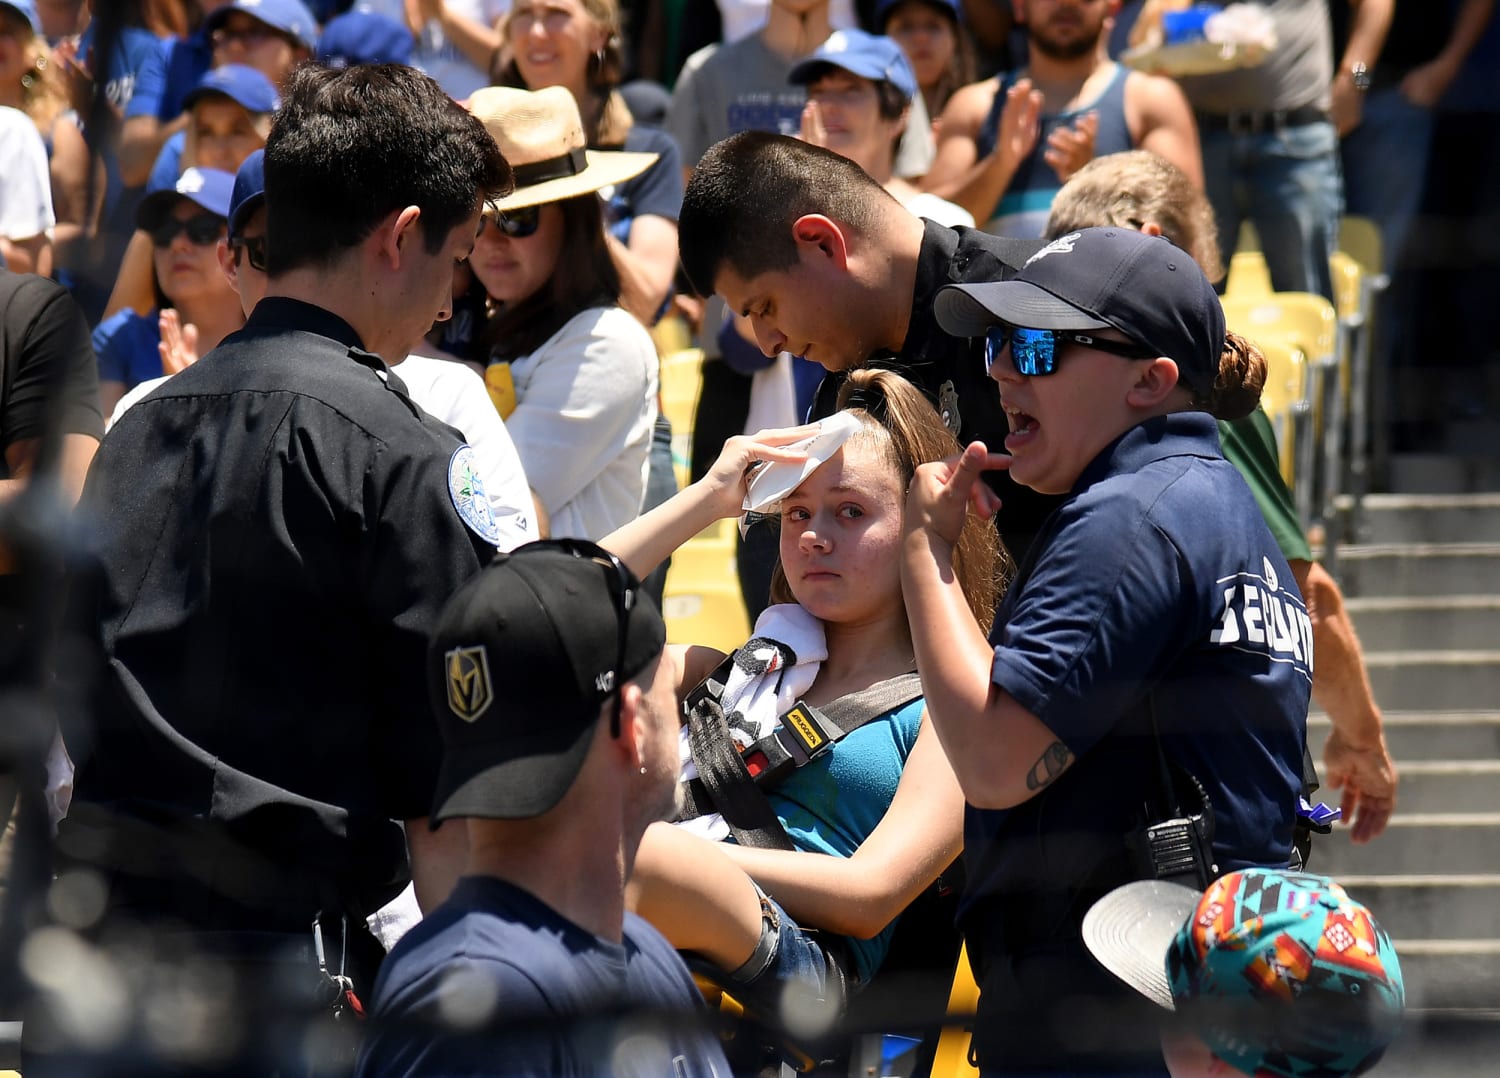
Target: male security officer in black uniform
point(277, 528)
point(828, 266)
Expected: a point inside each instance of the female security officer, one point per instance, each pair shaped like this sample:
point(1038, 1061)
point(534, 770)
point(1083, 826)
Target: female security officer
point(1153, 644)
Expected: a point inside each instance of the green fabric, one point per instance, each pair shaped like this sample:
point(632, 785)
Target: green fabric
point(1250, 445)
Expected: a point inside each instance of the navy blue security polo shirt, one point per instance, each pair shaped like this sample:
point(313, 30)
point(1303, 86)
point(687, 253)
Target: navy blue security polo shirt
point(275, 531)
point(1156, 581)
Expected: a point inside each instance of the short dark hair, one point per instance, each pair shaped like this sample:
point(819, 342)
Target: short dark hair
point(585, 277)
point(350, 146)
point(747, 191)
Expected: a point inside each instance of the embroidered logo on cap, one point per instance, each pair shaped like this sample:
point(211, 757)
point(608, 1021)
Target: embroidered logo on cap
point(469, 689)
point(1061, 245)
point(467, 491)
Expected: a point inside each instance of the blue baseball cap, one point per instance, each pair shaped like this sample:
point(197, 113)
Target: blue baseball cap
point(208, 187)
point(249, 191)
point(291, 17)
point(243, 85)
point(948, 7)
point(1141, 285)
point(27, 10)
point(364, 37)
point(869, 56)
point(1280, 973)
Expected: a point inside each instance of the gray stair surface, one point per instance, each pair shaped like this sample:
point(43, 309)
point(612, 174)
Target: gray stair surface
point(1440, 623)
point(1423, 588)
point(1423, 569)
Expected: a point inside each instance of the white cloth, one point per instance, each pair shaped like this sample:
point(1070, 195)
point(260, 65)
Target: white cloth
point(25, 185)
point(771, 672)
point(450, 391)
point(585, 406)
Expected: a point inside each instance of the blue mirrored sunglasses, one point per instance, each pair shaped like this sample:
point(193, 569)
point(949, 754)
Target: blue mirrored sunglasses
point(1034, 351)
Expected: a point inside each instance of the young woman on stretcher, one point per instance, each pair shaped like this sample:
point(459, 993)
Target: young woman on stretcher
point(877, 817)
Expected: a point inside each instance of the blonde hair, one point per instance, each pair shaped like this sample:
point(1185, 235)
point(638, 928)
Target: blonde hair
point(896, 418)
point(43, 96)
point(1138, 187)
point(606, 68)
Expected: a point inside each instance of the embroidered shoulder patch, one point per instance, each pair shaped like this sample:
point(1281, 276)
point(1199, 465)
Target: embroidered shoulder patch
point(467, 491)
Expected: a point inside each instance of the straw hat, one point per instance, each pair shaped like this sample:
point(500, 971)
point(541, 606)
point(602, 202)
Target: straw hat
point(541, 135)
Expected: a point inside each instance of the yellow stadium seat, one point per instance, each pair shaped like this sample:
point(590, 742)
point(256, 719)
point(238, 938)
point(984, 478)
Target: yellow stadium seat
point(1249, 239)
point(714, 616)
point(951, 1059)
point(1359, 238)
point(1248, 275)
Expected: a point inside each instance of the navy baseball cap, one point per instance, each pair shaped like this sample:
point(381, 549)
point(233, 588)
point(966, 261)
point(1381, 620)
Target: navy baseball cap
point(1141, 285)
point(364, 37)
point(242, 85)
point(249, 191)
point(27, 10)
point(208, 187)
point(291, 17)
point(869, 56)
point(518, 666)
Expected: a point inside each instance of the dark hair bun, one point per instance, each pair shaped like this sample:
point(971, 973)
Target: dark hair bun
point(1242, 376)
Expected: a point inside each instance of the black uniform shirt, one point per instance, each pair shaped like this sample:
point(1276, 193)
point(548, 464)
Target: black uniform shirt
point(950, 370)
point(277, 528)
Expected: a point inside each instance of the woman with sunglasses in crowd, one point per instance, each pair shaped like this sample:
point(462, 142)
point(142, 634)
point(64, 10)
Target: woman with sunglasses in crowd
point(871, 822)
point(185, 223)
point(1151, 661)
point(579, 45)
point(572, 373)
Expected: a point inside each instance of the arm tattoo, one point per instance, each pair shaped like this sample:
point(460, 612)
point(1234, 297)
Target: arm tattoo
point(1048, 766)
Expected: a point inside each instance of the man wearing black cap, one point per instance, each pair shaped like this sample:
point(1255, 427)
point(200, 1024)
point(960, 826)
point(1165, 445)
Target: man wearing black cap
point(826, 265)
point(558, 714)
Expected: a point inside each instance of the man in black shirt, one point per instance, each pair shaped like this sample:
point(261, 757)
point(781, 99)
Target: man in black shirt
point(826, 265)
point(276, 529)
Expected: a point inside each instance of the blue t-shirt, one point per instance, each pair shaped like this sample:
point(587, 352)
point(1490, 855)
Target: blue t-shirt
point(169, 75)
point(1157, 579)
point(551, 998)
point(135, 49)
point(658, 190)
point(126, 344)
point(831, 804)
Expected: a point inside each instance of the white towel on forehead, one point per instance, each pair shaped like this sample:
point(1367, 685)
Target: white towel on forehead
point(771, 672)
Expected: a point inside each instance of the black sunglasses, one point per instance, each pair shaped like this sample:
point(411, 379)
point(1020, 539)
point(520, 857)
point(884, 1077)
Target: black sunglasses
point(202, 229)
point(1034, 351)
point(517, 224)
point(624, 599)
point(254, 248)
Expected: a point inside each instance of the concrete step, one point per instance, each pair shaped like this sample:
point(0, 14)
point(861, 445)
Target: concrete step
point(1441, 623)
point(1439, 680)
point(1449, 786)
point(1420, 569)
point(1450, 973)
point(1429, 518)
point(1420, 843)
point(1427, 735)
point(1444, 473)
point(1431, 906)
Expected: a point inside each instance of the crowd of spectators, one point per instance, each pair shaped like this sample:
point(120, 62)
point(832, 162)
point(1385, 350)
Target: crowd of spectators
point(787, 184)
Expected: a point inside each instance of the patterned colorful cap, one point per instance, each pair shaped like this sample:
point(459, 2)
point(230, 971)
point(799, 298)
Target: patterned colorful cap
point(1280, 973)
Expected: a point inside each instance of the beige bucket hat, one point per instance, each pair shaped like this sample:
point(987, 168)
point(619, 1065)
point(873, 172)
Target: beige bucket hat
point(541, 135)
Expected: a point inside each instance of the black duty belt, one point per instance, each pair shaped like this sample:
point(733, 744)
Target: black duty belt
point(1251, 122)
